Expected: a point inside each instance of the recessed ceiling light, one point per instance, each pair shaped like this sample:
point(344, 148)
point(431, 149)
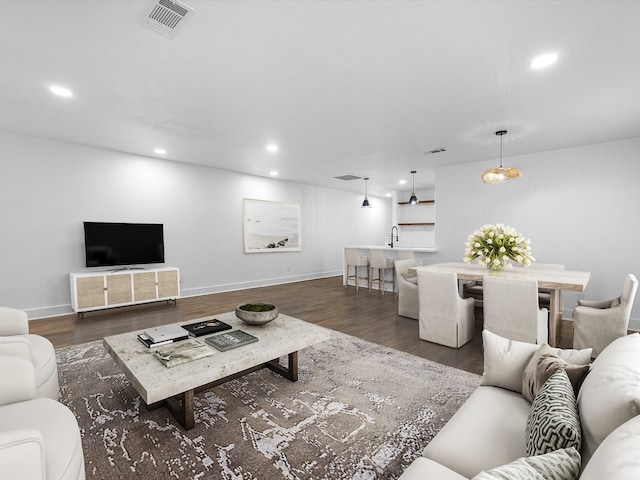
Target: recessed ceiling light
point(387, 194)
point(402, 182)
point(160, 151)
point(61, 91)
point(273, 173)
point(544, 60)
point(272, 148)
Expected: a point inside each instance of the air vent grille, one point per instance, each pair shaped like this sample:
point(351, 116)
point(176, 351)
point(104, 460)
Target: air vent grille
point(437, 150)
point(167, 15)
point(348, 176)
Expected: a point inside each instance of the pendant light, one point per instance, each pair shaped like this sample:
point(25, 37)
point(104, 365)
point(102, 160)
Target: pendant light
point(500, 174)
point(413, 200)
point(366, 204)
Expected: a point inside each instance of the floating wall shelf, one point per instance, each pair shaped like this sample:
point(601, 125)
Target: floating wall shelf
point(418, 224)
point(419, 201)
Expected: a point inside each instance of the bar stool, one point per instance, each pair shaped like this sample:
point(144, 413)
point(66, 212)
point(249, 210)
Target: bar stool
point(378, 261)
point(354, 259)
point(405, 255)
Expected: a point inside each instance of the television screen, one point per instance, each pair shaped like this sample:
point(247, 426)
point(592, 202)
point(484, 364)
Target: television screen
point(110, 244)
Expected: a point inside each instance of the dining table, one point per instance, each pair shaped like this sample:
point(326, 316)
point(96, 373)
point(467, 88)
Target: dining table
point(555, 281)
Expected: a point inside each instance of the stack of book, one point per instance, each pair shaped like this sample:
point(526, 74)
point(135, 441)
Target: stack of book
point(157, 336)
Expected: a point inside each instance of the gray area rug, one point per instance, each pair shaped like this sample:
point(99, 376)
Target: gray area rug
point(358, 411)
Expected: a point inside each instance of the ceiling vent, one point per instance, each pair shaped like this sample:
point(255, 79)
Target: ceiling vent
point(437, 150)
point(348, 176)
point(168, 16)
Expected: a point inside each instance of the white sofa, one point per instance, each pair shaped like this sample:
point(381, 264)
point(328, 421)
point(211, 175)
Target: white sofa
point(487, 437)
point(16, 341)
point(39, 437)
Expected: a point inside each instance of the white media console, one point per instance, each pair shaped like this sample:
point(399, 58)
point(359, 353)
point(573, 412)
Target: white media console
point(104, 289)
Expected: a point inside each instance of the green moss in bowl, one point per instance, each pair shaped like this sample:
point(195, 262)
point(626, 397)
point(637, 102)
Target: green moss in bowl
point(256, 313)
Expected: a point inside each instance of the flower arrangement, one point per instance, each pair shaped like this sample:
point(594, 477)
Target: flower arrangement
point(495, 245)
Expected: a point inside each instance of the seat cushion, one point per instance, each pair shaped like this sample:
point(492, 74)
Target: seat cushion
point(617, 456)
point(59, 429)
point(43, 356)
point(423, 469)
point(610, 394)
point(487, 431)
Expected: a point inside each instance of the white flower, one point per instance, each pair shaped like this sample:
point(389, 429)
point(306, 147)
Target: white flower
point(498, 245)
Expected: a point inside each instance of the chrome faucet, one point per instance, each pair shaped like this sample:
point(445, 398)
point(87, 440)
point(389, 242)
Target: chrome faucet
point(392, 229)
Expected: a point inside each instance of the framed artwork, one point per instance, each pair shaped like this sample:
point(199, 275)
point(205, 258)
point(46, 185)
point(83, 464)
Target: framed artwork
point(271, 226)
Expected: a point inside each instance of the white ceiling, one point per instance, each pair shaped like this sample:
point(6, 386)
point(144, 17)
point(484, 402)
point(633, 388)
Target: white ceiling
point(360, 87)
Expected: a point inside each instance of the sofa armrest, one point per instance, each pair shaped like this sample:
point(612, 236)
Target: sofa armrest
point(13, 322)
point(15, 346)
point(17, 380)
point(22, 454)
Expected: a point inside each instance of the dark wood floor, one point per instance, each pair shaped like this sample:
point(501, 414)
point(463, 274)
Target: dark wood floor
point(370, 316)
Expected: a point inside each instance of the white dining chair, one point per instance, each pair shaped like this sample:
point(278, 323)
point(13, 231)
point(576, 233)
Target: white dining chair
point(511, 310)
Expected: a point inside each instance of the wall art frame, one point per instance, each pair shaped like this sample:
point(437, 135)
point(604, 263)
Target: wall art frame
point(271, 227)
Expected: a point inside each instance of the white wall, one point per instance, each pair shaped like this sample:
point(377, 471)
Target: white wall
point(579, 206)
point(48, 188)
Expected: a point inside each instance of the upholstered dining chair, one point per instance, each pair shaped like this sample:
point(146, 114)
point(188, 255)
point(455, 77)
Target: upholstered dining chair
point(405, 255)
point(474, 288)
point(511, 309)
point(15, 340)
point(378, 261)
point(357, 261)
point(407, 288)
point(598, 323)
point(444, 316)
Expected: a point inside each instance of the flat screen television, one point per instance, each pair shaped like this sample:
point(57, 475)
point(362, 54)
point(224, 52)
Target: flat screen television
point(114, 244)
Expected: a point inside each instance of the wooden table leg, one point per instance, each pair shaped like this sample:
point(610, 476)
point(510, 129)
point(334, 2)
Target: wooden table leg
point(555, 317)
point(290, 372)
point(181, 407)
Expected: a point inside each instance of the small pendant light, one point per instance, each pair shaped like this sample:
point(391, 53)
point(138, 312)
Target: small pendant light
point(366, 204)
point(413, 200)
point(500, 174)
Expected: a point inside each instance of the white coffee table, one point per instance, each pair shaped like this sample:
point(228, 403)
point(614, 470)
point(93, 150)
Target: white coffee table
point(174, 387)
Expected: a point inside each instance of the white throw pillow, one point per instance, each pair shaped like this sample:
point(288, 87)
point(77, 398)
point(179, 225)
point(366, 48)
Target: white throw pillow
point(610, 393)
point(505, 360)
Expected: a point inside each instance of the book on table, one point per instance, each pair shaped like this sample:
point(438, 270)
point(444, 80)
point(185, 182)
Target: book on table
point(158, 336)
point(229, 340)
point(182, 352)
point(205, 327)
point(166, 332)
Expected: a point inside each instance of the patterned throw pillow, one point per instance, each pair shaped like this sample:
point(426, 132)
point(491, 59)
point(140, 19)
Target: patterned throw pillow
point(559, 465)
point(553, 421)
point(544, 363)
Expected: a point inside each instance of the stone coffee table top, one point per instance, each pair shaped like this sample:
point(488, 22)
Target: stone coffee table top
point(154, 382)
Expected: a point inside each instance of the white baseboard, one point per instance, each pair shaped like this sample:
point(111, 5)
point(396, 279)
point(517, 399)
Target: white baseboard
point(56, 311)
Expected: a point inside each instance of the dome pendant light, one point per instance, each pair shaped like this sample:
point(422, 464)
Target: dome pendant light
point(500, 174)
point(365, 203)
point(413, 200)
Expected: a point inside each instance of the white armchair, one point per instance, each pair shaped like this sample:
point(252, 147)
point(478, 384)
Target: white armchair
point(445, 317)
point(15, 340)
point(598, 323)
point(39, 437)
point(511, 310)
point(408, 305)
